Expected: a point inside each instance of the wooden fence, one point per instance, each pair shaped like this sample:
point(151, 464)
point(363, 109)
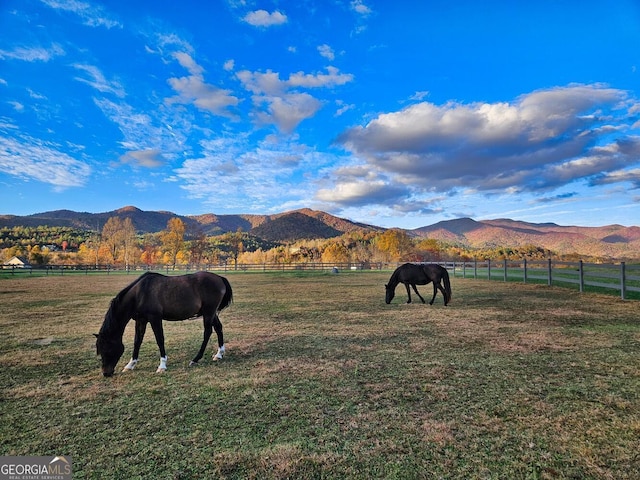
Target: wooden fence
point(623, 278)
point(620, 277)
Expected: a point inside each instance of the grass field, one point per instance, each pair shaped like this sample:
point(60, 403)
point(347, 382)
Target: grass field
point(323, 380)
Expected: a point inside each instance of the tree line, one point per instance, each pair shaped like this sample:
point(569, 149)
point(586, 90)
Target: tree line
point(119, 244)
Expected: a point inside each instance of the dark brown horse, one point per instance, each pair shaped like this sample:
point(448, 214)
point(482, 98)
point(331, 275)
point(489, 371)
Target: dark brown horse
point(154, 297)
point(412, 274)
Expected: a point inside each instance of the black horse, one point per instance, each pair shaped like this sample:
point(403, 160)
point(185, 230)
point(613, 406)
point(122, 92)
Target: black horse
point(154, 297)
point(412, 274)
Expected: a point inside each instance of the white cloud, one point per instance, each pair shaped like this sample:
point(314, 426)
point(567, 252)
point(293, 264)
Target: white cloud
point(319, 80)
point(171, 42)
point(32, 159)
point(189, 63)
point(98, 81)
point(343, 108)
point(17, 106)
point(288, 110)
point(360, 193)
point(33, 54)
point(327, 52)
point(142, 138)
point(249, 178)
point(194, 90)
point(262, 18)
point(538, 142)
point(149, 158)
point(91, 14)
point(278, 101)
point(360, 8)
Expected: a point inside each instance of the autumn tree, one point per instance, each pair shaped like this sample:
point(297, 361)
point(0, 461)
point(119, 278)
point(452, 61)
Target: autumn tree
point(198, 247)
point(173, 239)
point(111, 237)
point(395, 244)
point(430, 249)
point(335, 252)
point(129, 242)
point(119, 239)
point(235, 244)
point(38, 256)
point(151, 250)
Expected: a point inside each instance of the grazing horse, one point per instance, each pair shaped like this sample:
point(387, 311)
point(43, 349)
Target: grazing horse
point(154, 297)
point(412, 274)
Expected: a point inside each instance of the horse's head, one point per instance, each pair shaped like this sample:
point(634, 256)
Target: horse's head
point(110, 350)
point(390, 293)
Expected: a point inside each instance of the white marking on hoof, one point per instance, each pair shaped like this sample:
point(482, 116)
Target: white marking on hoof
point(219, 354)
point(163, 365)
point(193, 364)
point(131, 365)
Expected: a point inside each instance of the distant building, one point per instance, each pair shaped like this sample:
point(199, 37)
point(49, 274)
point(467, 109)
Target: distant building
point(17, 262)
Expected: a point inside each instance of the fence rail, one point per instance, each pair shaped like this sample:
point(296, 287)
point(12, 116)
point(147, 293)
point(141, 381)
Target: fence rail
point(620, 277)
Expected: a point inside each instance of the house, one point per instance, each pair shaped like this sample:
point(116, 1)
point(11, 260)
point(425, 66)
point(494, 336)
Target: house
point(17, 262)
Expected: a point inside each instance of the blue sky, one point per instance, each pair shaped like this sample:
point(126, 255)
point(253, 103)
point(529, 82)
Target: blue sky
point(398, 114)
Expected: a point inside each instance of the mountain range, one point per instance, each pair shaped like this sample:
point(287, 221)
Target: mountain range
point(614, 241)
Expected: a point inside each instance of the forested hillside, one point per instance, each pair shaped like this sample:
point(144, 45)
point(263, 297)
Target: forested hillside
point(130, 235)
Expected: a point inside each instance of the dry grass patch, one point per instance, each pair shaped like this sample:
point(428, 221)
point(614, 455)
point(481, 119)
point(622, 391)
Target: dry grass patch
point(323, 380)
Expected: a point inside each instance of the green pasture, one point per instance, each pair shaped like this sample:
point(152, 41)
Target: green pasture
point(323, 380)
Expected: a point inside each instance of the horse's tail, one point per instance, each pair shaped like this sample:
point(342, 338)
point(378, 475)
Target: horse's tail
point(228, 295)
point(447, 285)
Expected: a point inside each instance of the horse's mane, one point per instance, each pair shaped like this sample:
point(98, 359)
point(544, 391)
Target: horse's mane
point(393, 281)
point(109, 320)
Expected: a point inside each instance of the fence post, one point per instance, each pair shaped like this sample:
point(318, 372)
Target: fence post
point(505, 269)
point(488, 269)
point(623, 280)
point(549, 272)
point(524, 274)
point(475, 268)
point(581, 274)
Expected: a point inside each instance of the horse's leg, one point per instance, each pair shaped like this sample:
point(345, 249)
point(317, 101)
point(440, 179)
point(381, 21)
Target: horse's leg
point(141, 327)
point(408, 292)
point(158, 331)
point(435, 290)
point(415, 289)
point(444, 295)
point(217, 325)
point(208, 329)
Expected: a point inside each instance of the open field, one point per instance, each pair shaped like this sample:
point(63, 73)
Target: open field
point(323, 380)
